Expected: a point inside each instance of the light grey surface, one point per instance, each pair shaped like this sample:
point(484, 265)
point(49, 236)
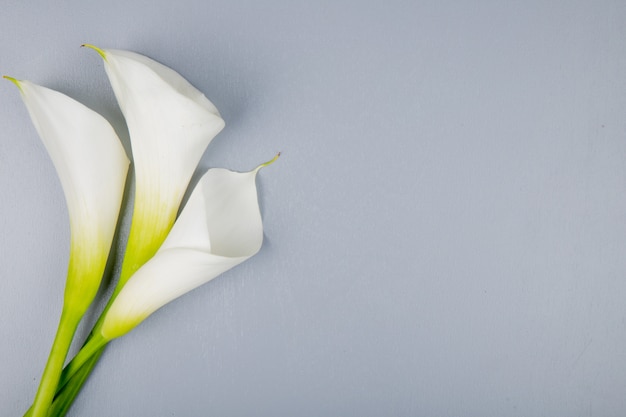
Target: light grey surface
point(445, 231)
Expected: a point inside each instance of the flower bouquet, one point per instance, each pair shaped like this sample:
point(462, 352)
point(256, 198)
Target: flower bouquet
point(170, 125)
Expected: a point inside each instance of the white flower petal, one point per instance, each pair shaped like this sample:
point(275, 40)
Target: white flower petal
point(219, 228)
point(92, 167)
point(222, 216)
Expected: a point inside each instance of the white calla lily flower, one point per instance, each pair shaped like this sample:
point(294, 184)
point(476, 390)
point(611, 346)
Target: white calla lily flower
point(92, 167)
point(219, 227)
point(170, 124)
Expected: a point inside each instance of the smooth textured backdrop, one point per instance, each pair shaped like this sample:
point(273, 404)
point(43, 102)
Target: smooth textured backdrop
point(445, 233)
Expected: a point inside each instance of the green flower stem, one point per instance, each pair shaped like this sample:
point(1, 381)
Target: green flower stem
point(61, 379)
point(93, 346)
point(66, 395)
point(61, 345)
point(143, 229)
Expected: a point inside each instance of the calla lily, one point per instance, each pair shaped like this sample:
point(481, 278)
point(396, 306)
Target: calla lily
point(219, 227)
point(92, 166)
point(170, 124)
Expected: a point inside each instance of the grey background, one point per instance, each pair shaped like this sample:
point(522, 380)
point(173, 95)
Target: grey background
point(445, 231)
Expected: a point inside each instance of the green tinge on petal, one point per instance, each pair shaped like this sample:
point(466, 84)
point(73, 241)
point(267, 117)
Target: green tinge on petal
point(95, 48)
point(13, 80)
point(268, 163)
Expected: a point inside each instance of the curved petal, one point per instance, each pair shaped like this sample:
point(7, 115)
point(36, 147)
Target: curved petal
point(219, 228)
point(92, 167)
point(170, 124)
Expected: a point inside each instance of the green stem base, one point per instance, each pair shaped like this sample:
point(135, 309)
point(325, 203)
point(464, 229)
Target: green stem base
point(52, 372)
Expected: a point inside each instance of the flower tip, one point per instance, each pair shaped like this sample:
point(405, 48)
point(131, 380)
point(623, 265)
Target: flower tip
point(95, 48)
point(13, 80)
point(270, 162)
